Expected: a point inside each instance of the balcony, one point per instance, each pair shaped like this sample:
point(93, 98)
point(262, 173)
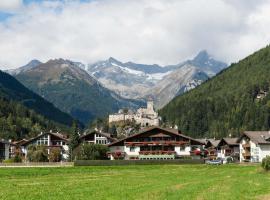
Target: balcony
point(246, 154)
point(157, 152)
point(152, 143)
point(247, 145)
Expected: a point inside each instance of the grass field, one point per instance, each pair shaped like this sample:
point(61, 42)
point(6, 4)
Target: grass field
point(136, 182)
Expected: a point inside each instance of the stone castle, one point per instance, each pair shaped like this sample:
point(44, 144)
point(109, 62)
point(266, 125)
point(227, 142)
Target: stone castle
point(143, 116)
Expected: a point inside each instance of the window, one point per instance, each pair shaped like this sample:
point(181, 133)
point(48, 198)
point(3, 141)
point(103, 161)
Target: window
point(132, 149)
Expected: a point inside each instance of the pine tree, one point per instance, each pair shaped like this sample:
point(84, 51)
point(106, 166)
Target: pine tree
point(74, 139)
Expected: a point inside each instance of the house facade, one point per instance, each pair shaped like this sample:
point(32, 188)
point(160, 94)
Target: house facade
point(254, 146)
point(96, 137)
point(49, 140)
point(213, 151)
point(154, 143)
point(229, 147)
point(4, 150)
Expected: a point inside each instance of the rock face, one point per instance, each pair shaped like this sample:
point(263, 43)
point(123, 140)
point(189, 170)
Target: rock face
point(72, 89)
point(132, 80)
point(181, 80)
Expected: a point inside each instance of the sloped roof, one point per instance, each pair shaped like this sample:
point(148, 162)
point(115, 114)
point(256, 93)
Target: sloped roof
point(212, 142)
point(170, 130)
point(229, 141)
point(101, 133)
point(61, 136)
point(258, 137)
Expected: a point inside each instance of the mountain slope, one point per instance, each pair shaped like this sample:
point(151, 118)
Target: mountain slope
point(176, 83)
point(227, 103)
point(32, 64)
point(17, 120)
point(12, 89)
point(129, 81)
point(132, 80)
point(72, 90)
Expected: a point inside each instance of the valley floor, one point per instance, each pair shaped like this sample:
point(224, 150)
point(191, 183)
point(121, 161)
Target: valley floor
point(136, 182)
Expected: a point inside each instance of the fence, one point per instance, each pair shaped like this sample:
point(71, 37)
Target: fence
point(135, 162)
point(38, 164)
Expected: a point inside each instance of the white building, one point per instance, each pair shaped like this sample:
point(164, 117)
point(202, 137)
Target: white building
point(4, 150)
point(155, 143)
point(48, 140)
point(96, 137)
point(254, 146)
point(144, 116)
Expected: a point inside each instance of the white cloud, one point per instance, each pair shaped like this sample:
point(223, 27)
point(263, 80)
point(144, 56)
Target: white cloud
point(10, 5)
point(146, 31)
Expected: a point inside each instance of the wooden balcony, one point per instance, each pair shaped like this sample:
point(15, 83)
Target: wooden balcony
point(157, 152)
point(246, 154)
point(247, 145)
point(152, 143)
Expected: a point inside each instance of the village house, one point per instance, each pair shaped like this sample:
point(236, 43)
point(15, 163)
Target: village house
point(155, 143)
point(48, 140)
point(96, 137)
point(143, 116)
point(212, 148)
point(229, 147)
point(254, 146)
point(4, 150)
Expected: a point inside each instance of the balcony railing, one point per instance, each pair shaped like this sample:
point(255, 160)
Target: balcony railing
point(157, 152)
point(156, 143)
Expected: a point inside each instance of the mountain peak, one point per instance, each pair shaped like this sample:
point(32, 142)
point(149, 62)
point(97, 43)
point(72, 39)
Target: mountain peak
point(202, 56)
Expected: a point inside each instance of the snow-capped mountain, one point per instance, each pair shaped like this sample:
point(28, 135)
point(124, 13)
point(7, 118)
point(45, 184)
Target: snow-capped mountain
point(132, 80)
point(179, 81)
point(126, 79)
point(206, 63)
point(71, 89)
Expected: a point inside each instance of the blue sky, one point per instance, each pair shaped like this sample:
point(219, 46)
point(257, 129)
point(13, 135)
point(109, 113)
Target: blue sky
point(144, 31)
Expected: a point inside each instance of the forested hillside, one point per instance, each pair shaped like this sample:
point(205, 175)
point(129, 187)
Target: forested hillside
point(228, 103)
point(12, 89)
point(24, 112)
point(17, 121)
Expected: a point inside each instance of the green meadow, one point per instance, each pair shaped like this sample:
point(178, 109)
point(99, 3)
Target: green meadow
point(136, 182)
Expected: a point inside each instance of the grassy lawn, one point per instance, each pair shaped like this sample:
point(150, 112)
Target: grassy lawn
point(136, 182)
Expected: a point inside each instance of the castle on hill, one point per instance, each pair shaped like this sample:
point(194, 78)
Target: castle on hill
point(143, 116)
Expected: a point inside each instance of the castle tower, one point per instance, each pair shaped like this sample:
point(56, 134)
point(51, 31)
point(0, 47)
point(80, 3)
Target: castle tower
point(150, 105)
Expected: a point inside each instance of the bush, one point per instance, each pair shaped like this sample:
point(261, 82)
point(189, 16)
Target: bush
point(37, 154)
point(15, 159)
point(55, 154)
point(266, 163)
point(91, 152)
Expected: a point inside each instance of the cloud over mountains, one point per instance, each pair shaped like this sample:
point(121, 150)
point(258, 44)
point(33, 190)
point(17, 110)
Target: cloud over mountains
point(146, 31)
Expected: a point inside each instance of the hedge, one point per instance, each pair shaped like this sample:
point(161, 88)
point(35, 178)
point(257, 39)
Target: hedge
point(135, 162)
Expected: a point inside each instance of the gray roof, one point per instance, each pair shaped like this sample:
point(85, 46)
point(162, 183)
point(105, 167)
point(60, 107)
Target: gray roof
point(231, 141)
point(212, 142)
point(258, 137)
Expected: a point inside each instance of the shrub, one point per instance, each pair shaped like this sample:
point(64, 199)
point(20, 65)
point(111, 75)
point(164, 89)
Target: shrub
point(266, 163)
point(91, 152)
point(37, 154)
point(15, 159)
point(55, 154)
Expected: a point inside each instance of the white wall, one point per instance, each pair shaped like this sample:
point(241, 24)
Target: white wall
point(264, 150)
point(6, 151)
point(180, 151)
